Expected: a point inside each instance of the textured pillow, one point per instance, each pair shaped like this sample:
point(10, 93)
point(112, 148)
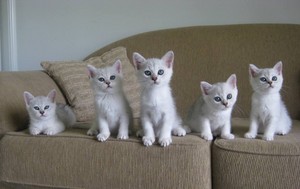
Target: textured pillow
point(72, 78)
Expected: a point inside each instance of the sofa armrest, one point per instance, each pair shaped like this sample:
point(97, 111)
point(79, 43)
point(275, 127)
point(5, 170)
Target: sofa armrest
point(13, 114)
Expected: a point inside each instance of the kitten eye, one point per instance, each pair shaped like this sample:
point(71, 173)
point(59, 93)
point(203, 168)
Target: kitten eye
point(160, 72)
point(217, 99)
point(274, 78)
point(147, 73)
point(263, 79)
point(112, 77)
point(229, 96)
point(101, 79)
point(36, 108)
point(46, 107)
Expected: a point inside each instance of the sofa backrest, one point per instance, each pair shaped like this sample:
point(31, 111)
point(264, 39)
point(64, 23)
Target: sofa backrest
point(212, 53)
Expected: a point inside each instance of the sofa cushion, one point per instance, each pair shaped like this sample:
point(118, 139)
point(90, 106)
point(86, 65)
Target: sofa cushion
point(74, 160)
point(72, 78)
point(255, 163)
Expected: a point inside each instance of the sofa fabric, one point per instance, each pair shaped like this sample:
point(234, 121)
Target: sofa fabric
point(72, 159)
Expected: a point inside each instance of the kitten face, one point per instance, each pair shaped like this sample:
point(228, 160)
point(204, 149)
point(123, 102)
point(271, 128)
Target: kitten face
point(220, 96)
point(267, 80)
point(108, 79)
point(154, 72)
point(40, 107)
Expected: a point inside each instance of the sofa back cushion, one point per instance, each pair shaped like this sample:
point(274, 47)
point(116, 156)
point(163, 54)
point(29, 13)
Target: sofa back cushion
point(213, 53)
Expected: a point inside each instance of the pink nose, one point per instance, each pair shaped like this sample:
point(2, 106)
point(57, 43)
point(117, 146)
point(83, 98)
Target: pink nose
point(154, 78)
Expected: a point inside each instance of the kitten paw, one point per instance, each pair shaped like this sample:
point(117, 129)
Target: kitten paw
point(164, 142)
point(122, 136)
point(92, 132)
point(49, 132)
point(34, 131)
point(250, 135)
point(268, 137)
point(227, 136)
point(206, 136)
point(148, 141)
point(102, 137)
point(179, 131)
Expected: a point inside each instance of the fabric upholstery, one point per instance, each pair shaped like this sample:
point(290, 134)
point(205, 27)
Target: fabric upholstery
point(73, 159)
point(255, 163)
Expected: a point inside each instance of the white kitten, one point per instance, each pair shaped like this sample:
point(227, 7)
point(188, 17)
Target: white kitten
point(113, 112)
point(268, 114)
point(210, 115)
point(159, 117)
point(47, 117)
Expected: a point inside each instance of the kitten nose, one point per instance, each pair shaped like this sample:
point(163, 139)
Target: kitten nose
point(107, 83)
point(42, 112)
point(154, 78)
point(270, 82)
point(225, 103)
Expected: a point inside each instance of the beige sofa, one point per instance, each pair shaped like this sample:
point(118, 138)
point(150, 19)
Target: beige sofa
point(72, 159)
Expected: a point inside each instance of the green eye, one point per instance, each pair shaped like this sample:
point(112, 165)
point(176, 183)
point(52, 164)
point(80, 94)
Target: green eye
point(263, 79)
point(147, 73)
point(112, 77)
point(101, 79)
point(160, 72)
point(217, 99)
point(229, 96)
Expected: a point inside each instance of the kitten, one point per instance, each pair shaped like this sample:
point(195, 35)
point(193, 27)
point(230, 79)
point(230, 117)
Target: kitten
point(159, 117)
point(113, 113)
point(47, 117)
point(210, 115)
point(268, 114)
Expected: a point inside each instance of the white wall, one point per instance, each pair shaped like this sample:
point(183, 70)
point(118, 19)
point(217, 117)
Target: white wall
point(72, 29)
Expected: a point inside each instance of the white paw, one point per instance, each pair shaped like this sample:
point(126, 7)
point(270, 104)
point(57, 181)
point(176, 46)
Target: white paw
point(92, 132)
point(281, 133)
point(148, 141)
point(206, 136)
point(179, 132)
point(34, 131)
point(250, 135)
point(50, 132)
point(268, 137)
point(102, 137)
point(122, 136)
point(227, 136)
point(164, 142)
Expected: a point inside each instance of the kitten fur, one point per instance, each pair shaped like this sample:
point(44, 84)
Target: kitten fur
point(159, 117)
point(210, 115)
point(268, 112)
point(113, 113)
point(47, 117)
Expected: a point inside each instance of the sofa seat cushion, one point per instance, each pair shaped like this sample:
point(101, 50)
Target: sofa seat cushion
point(72, 159)
point(255, 163)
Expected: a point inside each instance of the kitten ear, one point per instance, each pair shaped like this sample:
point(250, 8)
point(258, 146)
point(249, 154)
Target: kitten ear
point(138, 60)
point(232, 80)
point(27, 97)
point(51, 95)
point(168, 58)
point(92, 71)
point(253, 70)
point(278, 67)
point(118, 67)
point(205, 87)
